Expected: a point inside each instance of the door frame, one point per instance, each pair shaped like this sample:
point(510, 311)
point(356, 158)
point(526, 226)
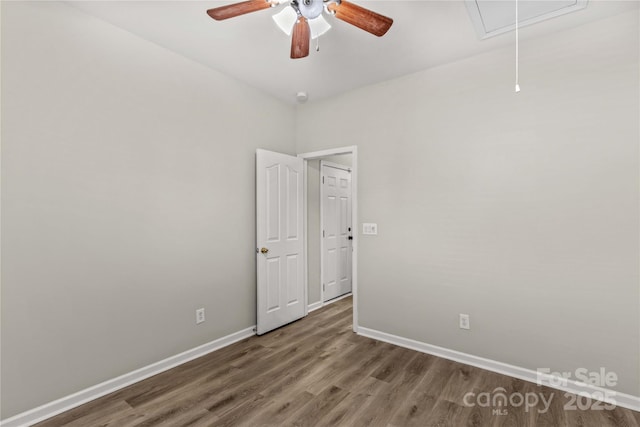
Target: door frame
point(322, 243)
point(353, 150)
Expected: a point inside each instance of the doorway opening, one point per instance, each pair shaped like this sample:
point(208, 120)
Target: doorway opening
point(331, 264)
point(335, 224)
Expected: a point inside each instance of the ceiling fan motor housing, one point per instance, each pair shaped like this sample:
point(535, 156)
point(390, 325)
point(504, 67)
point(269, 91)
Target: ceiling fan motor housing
point(310, 9)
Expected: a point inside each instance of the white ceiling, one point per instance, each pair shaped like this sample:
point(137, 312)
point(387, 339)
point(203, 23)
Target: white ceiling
point(252, 49)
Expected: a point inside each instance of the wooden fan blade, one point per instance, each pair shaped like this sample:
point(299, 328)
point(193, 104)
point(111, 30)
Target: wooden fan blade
point(237, 9)
point(300, 39)
point(362, 18)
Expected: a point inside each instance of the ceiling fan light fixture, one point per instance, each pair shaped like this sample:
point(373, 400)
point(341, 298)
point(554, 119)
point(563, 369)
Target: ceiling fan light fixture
point(318, 26)
point(286, 19)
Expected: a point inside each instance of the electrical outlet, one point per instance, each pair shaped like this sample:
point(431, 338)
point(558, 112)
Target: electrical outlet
point(199, 316)
point(464, 321)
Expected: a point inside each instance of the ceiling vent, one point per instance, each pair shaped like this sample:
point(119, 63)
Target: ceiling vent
point(491, 17)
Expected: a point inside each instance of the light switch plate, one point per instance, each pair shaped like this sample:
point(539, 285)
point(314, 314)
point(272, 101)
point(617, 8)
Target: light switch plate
point(369, 228)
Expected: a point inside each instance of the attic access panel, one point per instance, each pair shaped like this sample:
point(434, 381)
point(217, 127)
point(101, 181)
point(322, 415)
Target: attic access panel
point(493, 17)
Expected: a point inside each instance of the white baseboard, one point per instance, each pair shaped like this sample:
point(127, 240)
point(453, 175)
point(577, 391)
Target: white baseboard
point(314, 306)
point(347, 295)
point(569, 385)
point(320, 304)
point(56, 407)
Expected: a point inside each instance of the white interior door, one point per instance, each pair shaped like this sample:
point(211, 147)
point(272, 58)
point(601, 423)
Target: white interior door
point(337, 233)
point(280, 243)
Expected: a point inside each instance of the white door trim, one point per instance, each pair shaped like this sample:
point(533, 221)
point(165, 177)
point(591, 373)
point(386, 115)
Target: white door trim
point(322, 219)
point(353, 150)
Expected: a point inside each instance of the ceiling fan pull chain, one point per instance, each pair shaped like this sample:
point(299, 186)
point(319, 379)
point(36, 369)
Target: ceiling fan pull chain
point(317, 44)
point(517, 52)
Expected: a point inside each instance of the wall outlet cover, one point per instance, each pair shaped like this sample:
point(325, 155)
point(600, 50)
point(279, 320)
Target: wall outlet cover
point(199, 316)
point(464, 321)
point(369, 228)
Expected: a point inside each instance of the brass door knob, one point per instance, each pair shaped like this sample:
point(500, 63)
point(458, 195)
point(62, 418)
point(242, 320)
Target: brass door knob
point(264, 250)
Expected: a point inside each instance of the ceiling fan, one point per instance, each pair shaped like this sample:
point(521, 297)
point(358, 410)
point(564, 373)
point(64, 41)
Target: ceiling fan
point(304, 18)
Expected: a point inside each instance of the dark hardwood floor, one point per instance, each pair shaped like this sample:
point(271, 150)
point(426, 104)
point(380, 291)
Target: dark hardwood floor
point(317, 372)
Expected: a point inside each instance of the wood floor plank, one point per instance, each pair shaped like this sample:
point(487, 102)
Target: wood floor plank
point(348, 412)
point(392, 367)
point(254, 380)
point(190, 372)
point(318, 372)
point(292, 379)
point(94, 416)
point(462, 379)
point(619, 417)
point(192, 417)
point(310, 414)
point(277, 411)
point(334, 361)
point(445, 414)
point(242, 412)
point(129, 418)
point(365, 365)
point(414, 410)
point(555, 415)
point(222, 392)
point(481, 415)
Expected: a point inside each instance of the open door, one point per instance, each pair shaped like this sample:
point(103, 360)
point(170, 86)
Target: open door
point(279, 239)
point(335, 206)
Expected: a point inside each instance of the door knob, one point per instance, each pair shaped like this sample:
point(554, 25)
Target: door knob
point(264, 250)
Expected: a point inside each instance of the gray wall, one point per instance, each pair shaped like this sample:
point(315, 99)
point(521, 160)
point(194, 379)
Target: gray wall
point(127, 201)
point(313, 223)
point(520, 210)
